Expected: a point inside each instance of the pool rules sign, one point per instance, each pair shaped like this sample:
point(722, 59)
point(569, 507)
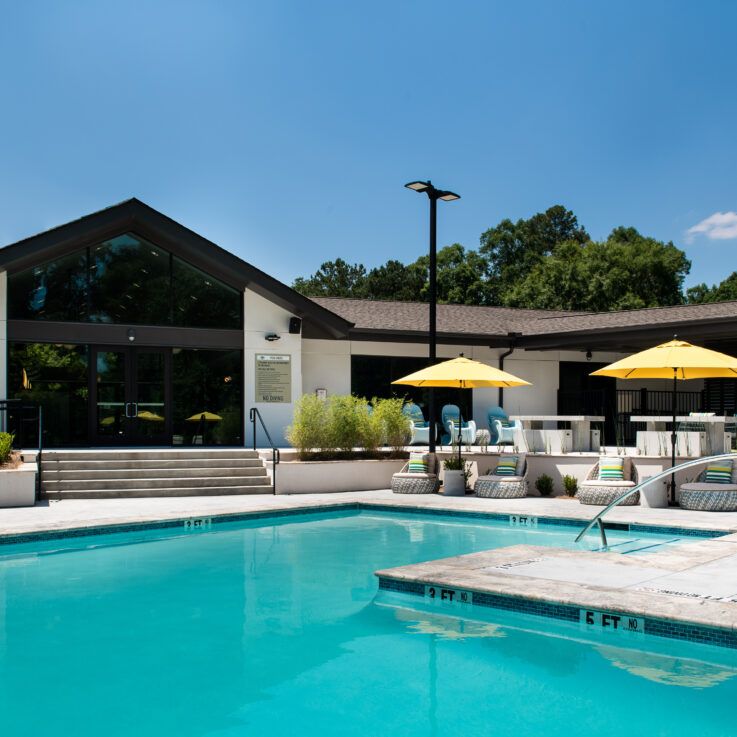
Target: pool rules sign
point(273, 378)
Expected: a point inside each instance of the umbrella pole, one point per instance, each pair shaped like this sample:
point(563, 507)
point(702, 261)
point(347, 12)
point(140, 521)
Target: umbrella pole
point(672, 495)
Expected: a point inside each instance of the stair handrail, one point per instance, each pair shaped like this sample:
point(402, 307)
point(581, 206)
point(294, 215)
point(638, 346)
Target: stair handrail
point(652, 479)
point(275, 454)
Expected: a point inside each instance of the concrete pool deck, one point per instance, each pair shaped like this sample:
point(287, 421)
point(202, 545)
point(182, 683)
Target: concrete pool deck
point(694, 583)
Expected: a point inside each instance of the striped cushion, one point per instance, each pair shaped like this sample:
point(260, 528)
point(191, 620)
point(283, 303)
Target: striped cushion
point(507, 466)
point(418, 462)
point(505, 423)
point(719, 473)
point(611, 469)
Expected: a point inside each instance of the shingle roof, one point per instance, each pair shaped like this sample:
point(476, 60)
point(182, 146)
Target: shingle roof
point(371, 315)
point(375, 316)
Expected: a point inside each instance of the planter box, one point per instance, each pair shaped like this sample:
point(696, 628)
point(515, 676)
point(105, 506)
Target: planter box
point(18, 486)
point(319, 477)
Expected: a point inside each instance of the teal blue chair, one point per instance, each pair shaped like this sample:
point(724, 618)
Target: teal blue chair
point(501, 428)
point(419, 427)
point(451, 418)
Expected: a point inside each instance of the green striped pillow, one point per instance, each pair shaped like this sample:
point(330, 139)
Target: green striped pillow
point(719, 473)
point(418, 462)
point(611, 469)
point(507, 466)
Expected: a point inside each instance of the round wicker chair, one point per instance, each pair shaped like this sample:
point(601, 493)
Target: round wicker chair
point(603, 492)
point(708, 497)
point(417, 483)
point(504, 487)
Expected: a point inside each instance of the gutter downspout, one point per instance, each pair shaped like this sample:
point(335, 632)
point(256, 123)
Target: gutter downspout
point(512, 346)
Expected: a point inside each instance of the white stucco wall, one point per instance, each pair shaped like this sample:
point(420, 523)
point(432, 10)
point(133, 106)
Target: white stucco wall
point(326, 364)
point(260, 318)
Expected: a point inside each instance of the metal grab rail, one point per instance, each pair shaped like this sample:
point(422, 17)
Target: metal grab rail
point(275, 455)
point(642, 484)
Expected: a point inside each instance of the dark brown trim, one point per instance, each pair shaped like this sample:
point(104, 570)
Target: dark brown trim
point(418, 336)
point(32, 331)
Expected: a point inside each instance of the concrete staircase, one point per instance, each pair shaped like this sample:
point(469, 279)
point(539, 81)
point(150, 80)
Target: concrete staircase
point(105, 474)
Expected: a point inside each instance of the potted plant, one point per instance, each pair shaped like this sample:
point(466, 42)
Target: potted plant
point(455, 476)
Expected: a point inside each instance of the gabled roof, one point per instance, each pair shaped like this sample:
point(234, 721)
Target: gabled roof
point(134, 216)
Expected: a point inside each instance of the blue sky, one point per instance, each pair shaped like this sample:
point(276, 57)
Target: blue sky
point(285, 131)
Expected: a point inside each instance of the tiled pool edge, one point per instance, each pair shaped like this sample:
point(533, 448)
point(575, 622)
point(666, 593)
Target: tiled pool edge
point(229, 517)
point(696, 633)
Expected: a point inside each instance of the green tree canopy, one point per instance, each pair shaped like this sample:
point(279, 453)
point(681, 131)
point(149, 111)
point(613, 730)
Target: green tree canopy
point(722, 292)
point(627, 271)
point(334, 279)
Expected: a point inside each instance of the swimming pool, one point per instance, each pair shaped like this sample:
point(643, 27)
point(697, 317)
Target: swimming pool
point(273, 626)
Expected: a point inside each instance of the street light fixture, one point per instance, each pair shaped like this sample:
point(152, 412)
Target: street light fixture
point(433, 195)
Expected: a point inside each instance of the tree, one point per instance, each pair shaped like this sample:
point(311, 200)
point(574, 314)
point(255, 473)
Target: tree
point(722, 292)
point(334, 279)
point(513, 249)
point(396, 281)
point(627, 271)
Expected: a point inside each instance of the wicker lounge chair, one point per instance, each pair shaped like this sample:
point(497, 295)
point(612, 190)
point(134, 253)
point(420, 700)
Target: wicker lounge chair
point(451, 416)
point(405, 482)
point(419, 427)
point(504, 487)
point(595, 490)
point(501, 428)
point(709, 497)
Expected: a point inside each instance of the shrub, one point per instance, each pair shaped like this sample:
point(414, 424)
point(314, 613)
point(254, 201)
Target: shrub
point(570, 485)
point(344, 427)
point(6, 445)
point(544, 484)
point(309, 428)
point(394, 422)
point(372, 428)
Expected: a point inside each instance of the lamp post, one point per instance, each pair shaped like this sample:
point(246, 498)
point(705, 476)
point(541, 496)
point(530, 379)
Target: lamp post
point(433, 195)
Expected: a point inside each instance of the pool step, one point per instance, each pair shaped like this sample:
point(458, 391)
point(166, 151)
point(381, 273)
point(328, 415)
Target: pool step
point(91, 474)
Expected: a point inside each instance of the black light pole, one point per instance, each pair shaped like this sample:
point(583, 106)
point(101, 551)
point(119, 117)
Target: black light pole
point(434, 195)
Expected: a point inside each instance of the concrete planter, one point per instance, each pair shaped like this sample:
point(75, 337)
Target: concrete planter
point(454, 483)
point(319, 477)
point(18, 486)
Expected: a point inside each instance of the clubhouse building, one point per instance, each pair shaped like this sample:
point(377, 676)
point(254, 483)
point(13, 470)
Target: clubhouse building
point(131, 330)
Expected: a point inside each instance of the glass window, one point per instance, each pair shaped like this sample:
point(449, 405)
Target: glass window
point(203, 302)
point(125, 280)
point(55, 377)
point(52, 291)
point(129, 282)
point(207, 397)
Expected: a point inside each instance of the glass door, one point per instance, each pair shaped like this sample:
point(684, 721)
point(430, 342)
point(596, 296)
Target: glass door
point(130, 396)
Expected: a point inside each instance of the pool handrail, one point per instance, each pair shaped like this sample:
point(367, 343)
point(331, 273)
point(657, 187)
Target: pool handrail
point(657, 477)
point(254, 415)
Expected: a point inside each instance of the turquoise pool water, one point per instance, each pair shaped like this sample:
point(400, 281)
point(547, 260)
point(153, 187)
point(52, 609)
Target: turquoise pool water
point(273, 628)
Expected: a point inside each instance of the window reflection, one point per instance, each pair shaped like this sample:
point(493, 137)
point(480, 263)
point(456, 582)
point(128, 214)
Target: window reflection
point(208, 408)
point(54, 291)
point(201, 301)
point(125, 280)
point(129, 282)
point(55, 377)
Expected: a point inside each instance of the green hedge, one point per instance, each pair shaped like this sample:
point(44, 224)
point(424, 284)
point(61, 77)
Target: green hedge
point(342, 423)
point(6, 445)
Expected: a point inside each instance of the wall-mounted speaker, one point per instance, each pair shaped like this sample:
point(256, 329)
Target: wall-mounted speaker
point(295, 325)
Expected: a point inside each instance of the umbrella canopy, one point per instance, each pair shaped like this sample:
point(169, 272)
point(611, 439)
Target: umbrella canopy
point(462, 373)
point(208, 416)
point(677, 360)
point(151, 416)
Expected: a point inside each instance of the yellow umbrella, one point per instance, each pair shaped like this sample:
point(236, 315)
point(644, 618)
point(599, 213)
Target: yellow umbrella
point(209, 416)
point(146, 415)
point(462, 373)
point(677, 360)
